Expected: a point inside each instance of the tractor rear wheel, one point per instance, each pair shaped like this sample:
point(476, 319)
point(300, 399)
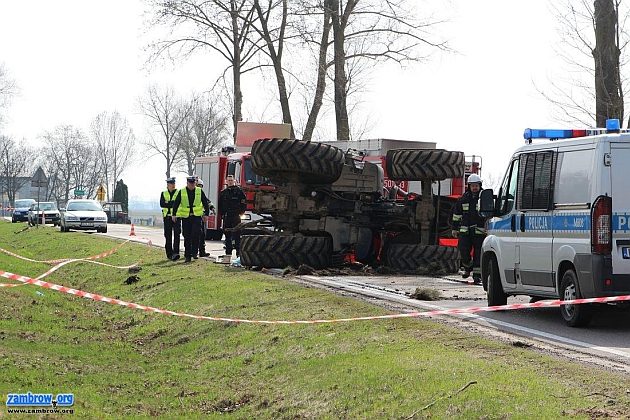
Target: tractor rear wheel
point(424, 164)
point(272, 251)
point(297, 161)
point(411, 257)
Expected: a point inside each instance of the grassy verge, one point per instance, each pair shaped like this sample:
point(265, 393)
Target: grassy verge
point(123, 362)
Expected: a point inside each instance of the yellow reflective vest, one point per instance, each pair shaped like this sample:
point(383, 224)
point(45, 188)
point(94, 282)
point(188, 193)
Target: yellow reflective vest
point(166, 211)
point(184, 206)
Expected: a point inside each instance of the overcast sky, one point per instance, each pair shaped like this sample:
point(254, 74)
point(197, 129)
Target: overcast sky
point(73, 59)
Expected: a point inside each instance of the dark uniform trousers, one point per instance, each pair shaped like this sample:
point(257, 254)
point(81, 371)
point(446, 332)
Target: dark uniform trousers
point(231, 220)
point(191, 227)
point(172, 230)
point(466, 243)
point(202, 237)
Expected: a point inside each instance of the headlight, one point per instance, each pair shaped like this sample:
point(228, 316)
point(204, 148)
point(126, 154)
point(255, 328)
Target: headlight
point(246, 216)
point(71, 218)
point(101, 219)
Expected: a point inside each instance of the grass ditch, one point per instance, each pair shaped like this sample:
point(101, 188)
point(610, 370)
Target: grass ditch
point(124, 362)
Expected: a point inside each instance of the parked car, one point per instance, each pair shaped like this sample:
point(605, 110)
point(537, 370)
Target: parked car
point(46, 208)
point(83, 215)
point(20, 211)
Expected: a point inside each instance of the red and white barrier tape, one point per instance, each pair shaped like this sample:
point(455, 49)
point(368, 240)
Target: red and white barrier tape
point(72, 260)
point(99, 298)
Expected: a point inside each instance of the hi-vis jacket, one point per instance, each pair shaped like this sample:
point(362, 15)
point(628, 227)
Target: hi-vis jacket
point(466, 218)
point(166, 202)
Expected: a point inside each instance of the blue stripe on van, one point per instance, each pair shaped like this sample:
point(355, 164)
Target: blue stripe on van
point(543, 223)
point(621, 222)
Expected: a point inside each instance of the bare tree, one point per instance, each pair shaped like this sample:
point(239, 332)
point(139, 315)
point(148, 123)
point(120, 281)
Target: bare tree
point(203, 131)
point(15, 166)
point(593, 48)
point(374, 30)
point(166, 113)
point(214, 25)
point(72, 163)
point(115, 142)
point(8, 89)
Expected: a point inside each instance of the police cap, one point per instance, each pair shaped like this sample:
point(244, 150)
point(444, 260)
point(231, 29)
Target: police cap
point(170, 180)
point(191, 179)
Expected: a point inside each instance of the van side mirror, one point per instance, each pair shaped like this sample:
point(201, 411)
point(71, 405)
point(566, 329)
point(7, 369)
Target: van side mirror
point(486, 204)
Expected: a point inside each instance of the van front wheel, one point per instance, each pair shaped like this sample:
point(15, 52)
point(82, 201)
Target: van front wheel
point(574, 315)
point(495, 293)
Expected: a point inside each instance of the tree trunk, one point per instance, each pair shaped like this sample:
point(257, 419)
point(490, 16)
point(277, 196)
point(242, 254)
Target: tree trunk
point(340, 82)
point(320, 87)
point(608, 97)
point(236, 69)
point(276, 60)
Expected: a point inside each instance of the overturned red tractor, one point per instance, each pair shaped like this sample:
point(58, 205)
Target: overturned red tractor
point(330, 206)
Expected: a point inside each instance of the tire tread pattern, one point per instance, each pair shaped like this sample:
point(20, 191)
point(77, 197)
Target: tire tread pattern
point(298, 160)
point(424, 164)
point(410, 257)
point(272, 251)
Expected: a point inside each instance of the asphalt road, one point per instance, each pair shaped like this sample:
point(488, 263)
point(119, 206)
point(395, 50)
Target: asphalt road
point(608, 335)
point(142, 233)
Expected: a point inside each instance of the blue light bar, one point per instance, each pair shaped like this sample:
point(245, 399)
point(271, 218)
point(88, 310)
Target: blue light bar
point(612, 125)
point(534, 133)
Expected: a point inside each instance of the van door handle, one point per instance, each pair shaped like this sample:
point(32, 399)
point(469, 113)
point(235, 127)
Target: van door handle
point(522, 222)
point(513, 223)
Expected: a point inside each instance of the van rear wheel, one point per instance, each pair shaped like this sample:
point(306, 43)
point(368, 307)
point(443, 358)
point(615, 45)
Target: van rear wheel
point(574, 315)
point(495, 293)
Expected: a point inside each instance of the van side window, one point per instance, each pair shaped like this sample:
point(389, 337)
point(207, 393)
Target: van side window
point(507, 192)
point(572, 182)
point(535, 181)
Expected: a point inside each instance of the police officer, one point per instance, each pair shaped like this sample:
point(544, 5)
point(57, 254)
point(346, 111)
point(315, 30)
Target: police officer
point(232, 204)
point(191, 206)
point(204, 226)
point(172, 228)
point(469, 227)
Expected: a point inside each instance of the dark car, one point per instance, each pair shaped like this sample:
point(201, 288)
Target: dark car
point(20, 211)
point(46, 213)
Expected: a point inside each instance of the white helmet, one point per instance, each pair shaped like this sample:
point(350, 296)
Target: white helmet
point(474, 179)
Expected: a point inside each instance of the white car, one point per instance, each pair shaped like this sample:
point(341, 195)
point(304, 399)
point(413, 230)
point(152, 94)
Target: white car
point(83, 215)
point(47, 212)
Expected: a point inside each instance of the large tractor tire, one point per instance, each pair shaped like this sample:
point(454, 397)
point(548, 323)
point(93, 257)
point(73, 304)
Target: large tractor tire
point(283, 251)
point(412, 257)
point(424, 164)
point(297, 161)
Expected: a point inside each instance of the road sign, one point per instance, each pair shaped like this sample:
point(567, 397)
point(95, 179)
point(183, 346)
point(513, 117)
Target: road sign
point(79, 192)
point(38, 184)
point(100, 193)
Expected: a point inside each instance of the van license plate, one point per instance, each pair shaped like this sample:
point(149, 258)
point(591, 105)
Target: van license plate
point(83, 224)
point(625, 252)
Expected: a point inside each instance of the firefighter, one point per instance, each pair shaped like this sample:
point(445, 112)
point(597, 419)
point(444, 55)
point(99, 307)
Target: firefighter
point(172, 228)
point(204, 226)
point(232, 204)
point(469, 227)
point(191, 205)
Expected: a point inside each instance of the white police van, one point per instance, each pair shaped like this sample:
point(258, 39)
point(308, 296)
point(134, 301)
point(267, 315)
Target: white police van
point(559, 226)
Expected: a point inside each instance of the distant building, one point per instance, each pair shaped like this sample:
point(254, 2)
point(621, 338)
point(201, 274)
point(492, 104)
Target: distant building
point(26, 188)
